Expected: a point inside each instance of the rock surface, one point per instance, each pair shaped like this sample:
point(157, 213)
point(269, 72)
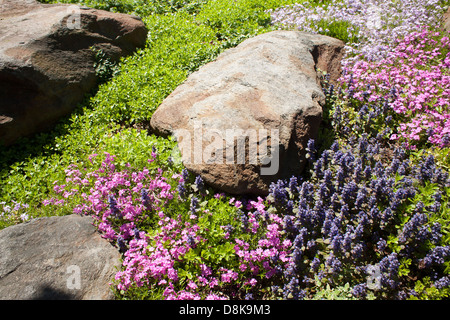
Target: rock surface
point(267, 88)
point(56, 258)
point(46, 64)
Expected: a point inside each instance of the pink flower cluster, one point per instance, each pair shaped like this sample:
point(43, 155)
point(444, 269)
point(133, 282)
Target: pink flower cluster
point(154, 260)
point(267, 256)
point(415, 78)
point(143, 264)
point(271, 252)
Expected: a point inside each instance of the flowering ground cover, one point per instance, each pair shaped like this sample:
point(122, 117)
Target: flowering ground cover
point(411, 85)
point(357, 212)
point(368, 219)
point(369, 27)
point(179, 243)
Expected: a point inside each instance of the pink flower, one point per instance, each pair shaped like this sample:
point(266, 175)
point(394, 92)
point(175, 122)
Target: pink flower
point(59, 188)
point(219, 195)
point(92, 156)
point(192, 285)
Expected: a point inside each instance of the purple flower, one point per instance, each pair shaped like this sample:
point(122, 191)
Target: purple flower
point(361, 197)
point(145, 198)
point(381, 245)
point(185, 174)
point(389, 267)
point(315, 264)
point(248, 296)
point(334, 264)
point(349, 192)
point(122, 245)
point(279, 193)
point(112, 202)
point(191, 241)
point(413, 227)
point(311, 150)
point(194, 205)
point(136, 233)
point(293, 184)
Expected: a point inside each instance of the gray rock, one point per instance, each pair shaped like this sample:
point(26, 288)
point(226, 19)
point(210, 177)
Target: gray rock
point(46, 61)
point(268, 82)
point(56, 258)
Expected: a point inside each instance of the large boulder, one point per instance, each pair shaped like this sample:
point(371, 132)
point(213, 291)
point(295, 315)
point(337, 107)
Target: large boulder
point(244, 120)
point(56, 258)
point(46, 60)
point(446, 20)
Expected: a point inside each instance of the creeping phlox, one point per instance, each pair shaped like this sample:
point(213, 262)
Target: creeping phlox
point(393, 64)
point(356, 213)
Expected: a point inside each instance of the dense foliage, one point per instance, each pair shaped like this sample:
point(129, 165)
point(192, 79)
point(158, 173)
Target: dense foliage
point(357, 211)
point(368, 219)
point(178, 242)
